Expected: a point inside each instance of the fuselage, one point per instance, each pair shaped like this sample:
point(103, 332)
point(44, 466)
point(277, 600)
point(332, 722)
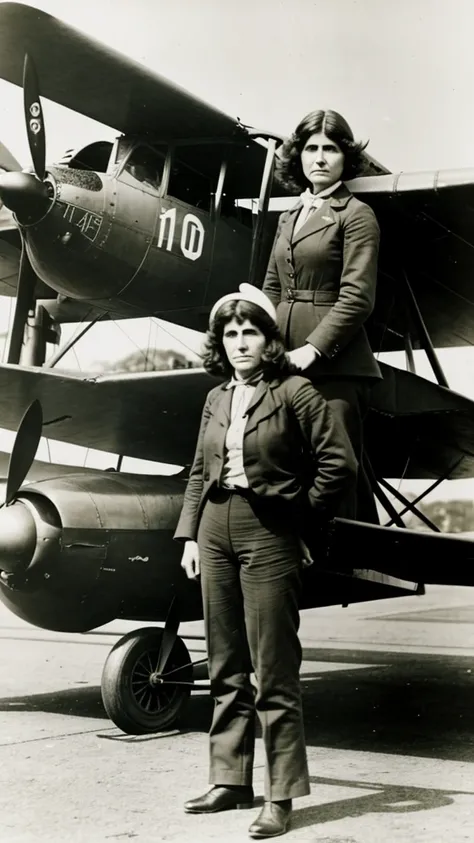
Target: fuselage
point(141, 238)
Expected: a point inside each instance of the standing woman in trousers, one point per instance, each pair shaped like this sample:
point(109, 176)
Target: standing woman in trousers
point(269, 450)
point(322, 277)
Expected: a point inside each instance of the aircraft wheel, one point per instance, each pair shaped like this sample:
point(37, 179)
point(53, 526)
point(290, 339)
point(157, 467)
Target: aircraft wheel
point(132, 693)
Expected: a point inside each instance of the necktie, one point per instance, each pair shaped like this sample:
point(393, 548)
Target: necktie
point(310, 200)
point(310, 203)
point(253, 380)
point(243, 391)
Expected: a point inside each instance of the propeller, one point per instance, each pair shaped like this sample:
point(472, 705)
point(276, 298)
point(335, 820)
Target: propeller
point(34, 117)
point(24, 449)
point(168, 640)
point(25, 298)
point(28, 196)
point(18, 533)
point(8, 163)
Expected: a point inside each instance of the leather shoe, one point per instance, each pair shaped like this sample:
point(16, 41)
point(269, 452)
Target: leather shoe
point(221, 798)
point(273, 820)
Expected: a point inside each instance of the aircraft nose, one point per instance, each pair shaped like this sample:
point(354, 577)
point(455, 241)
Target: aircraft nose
point(17, 538)
point(25, 195)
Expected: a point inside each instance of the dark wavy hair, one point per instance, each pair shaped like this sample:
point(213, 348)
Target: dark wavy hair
point(289, 170)
point(215, 359)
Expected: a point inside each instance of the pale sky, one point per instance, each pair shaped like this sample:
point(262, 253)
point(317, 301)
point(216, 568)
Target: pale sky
point(401, 72)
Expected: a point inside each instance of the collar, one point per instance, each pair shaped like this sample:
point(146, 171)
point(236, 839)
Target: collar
point(252, 381)
point(338, 195)
point(308, 196)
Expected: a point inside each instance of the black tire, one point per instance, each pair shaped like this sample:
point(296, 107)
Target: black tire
point(131, 701)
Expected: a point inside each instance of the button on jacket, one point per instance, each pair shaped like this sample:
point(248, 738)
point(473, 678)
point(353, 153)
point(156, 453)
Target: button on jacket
point(287, 419)
point(331, 262)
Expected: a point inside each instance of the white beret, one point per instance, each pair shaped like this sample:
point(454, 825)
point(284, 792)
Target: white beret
point(247, 292)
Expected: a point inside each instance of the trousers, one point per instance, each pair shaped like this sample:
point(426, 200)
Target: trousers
point(250, 579)
point(349, 400)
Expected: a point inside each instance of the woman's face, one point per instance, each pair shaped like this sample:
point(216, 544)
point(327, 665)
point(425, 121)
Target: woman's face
point(244, 345)
point(322, 161)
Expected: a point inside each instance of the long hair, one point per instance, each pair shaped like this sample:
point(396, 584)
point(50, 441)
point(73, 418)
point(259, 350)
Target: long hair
point(215, 360)
point(332, 124)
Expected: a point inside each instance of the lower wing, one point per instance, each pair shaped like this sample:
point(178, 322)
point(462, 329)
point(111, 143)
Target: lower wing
point(415, 429)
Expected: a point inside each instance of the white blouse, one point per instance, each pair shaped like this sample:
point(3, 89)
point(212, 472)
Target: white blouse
point(233, 473)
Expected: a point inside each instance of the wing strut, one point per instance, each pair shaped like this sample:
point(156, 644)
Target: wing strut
point(409, 356)
point(220, 187)
point(262, 210)
point(65, 348)
point(423, 334)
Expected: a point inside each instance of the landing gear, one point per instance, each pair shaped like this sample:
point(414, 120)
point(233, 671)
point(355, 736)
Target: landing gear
point(140, 694)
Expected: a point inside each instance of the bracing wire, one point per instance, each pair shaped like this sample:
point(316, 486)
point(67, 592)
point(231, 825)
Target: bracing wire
point(148, 348)
point(118, 325)
point(73, 349)
point(161, 327)
point(48, 448)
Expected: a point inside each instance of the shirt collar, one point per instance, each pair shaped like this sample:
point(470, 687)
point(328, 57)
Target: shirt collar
point(253, 380)
point(307, 196)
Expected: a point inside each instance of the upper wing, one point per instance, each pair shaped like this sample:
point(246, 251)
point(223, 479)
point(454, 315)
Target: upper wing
point(427, 225)
point(82, 74)
point(416, 429)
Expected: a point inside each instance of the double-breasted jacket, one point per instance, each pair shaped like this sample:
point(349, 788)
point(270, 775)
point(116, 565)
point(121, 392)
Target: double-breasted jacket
point(322, 280)
point(294, 450)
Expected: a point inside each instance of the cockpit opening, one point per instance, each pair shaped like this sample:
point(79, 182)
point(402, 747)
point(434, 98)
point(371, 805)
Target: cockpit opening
point(145, 165)
point(95, 156)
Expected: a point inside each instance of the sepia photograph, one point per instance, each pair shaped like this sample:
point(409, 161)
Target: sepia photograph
point(236, 421)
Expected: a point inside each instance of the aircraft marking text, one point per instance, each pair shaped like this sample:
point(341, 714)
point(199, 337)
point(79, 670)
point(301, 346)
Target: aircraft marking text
point(88, 222)
point(192, 234)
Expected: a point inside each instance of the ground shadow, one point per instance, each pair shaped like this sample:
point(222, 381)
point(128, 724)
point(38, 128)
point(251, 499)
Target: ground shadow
point(418, 705)
point(79, 702)
point(387, 799)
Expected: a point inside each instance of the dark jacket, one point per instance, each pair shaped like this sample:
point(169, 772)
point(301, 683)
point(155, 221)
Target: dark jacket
point(288, 421)
point(333, 259)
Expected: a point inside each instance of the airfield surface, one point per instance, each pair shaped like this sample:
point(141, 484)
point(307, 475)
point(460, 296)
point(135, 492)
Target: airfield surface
point(389, 712)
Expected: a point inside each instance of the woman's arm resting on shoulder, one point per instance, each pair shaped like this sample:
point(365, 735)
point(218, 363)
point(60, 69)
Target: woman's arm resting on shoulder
point(357, 287)
point(304, 356)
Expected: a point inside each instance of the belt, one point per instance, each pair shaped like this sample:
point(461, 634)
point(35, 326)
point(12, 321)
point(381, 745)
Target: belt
point(314, 296)
point(218, 494)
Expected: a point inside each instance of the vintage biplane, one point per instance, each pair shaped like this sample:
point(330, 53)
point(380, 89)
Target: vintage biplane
point(160, 223)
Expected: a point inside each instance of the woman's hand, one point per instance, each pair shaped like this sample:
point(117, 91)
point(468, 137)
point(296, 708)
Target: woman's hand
point(190, 560)
point(304, 356)
point(306, 558)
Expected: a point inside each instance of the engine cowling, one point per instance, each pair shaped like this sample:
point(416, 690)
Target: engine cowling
point(81, 550)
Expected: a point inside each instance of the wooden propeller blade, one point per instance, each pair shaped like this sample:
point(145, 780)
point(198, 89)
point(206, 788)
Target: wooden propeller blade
point(24, 449)
point(34, 117)
point(170, 633)
point(24, 303)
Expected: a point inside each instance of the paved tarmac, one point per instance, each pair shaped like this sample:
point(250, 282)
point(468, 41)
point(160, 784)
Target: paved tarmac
point(389, 712)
